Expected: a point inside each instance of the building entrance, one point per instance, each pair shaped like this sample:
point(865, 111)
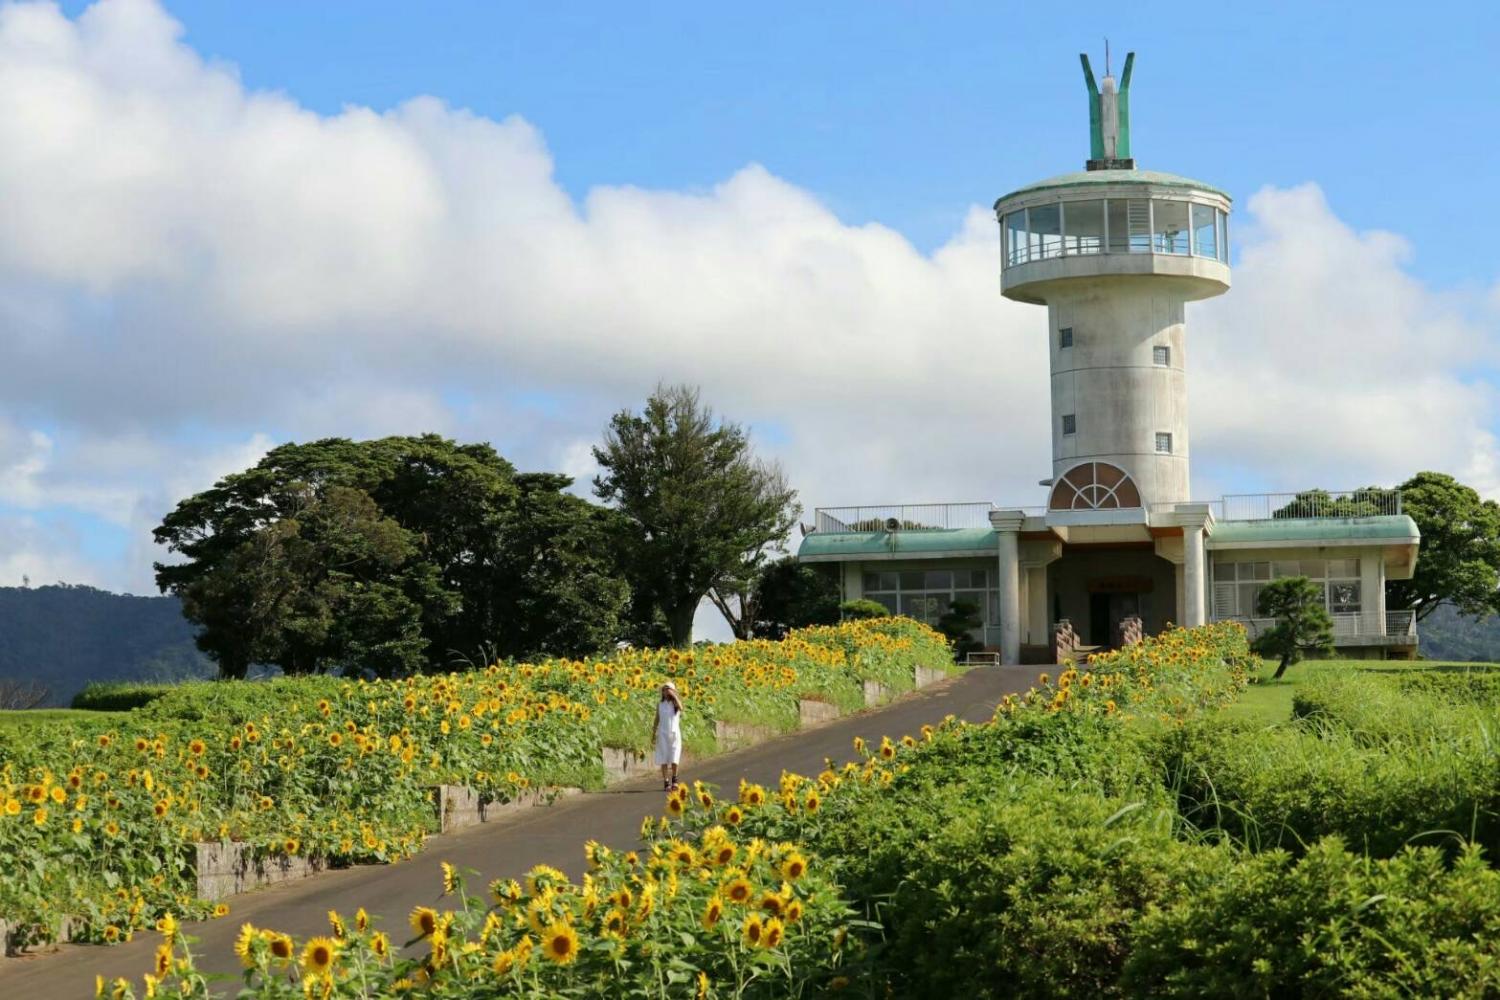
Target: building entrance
point(1106, 611)
point(1096, 588)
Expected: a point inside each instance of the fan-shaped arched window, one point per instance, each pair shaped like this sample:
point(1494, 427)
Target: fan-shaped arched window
point(1094, 486)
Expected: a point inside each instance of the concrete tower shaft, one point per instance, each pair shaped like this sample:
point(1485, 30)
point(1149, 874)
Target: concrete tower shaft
point(1120, 382)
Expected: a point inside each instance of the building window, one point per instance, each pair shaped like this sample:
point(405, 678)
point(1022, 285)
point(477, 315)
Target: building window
point(1070, 423)
point(927, 595)
point(1237, 585)
point(1164, 444)
point(1161, 355)
point(1065, 337)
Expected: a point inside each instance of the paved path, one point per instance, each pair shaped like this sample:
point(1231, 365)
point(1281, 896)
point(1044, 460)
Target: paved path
point(507, 848)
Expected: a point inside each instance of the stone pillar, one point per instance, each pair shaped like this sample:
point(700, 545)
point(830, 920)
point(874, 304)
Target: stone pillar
point(1008, 524)
point(1193, 568)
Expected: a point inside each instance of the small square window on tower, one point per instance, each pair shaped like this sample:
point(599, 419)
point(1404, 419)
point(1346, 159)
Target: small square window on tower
point(1164, 443)
point(1070, 423)
point(1161, 355)
point(1065, 337)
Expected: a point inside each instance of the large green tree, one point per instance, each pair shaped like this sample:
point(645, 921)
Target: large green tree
point(1459, 560)
point(391, 555)
point(789, 595)
point(700, 509)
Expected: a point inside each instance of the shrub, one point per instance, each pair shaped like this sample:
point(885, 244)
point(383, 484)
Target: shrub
point(863, 608)
point(1330, 924)
point(117, 696)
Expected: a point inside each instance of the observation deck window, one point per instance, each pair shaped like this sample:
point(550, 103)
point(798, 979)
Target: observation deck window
point(1205, 232)
point(1169, 227)
point(1044, 222)
point(1114, 225)
point(1015, 238)
point(1083, 227)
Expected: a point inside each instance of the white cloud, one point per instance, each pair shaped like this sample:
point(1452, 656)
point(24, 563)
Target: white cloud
point(185, 261)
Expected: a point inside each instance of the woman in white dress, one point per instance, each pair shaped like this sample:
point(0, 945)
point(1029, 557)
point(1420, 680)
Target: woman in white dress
point(666, 733)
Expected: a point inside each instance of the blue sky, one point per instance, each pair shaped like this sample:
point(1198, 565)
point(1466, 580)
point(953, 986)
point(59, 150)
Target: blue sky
point(235, 224)
point(906, 113)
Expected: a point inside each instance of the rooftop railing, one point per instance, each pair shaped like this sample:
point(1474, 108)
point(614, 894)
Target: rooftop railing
point(1367, 502)
point(1311, 504)
point(903, 517)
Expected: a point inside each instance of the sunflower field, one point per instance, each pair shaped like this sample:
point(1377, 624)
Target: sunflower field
point(97, 819)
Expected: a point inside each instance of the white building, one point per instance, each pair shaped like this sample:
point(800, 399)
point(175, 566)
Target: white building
point(1115, 254)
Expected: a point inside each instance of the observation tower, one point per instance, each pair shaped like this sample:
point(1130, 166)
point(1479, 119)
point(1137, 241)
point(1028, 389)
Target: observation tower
point(1115, 253)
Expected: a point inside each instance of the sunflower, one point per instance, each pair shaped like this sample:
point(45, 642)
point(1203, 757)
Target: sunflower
point(221, 910)
point(772, 934)
point(772, 903)
point(318, 957)
point(361, 919)
point(450, 878)
point(739, 890)
point(242, 945)
point(281, 946)
point(196, 748)
point(614, 923)
point(336, 922)
point(713, 912)
point(812, 803)
point(13, 808)
point(424, 920)
point(380, 944)
point(167, 925)
point(39, 817)
point(111, 933)
point(674, 805)
point(560, 943)
point(683, 855)
point(723, 853)
point(754, 930)
point(734, 816)
point(794, 867)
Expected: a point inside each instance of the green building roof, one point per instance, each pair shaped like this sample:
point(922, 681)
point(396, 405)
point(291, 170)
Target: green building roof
point(835, 546)
point(1393, 529)
point(1098, 177)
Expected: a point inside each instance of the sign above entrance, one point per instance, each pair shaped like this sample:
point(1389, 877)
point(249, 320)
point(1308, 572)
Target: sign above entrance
point(1121, 585)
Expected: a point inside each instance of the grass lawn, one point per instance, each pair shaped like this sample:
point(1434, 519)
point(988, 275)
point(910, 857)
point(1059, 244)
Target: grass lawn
point(11, 722)
point(1270, 702)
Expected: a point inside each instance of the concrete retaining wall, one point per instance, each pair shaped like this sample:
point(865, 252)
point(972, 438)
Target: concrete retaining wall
point(731, 735)
point(876, 693)
point(227, 869)
point(622, 765)
point(812, 713)
point(929, 675)
point(459, 806)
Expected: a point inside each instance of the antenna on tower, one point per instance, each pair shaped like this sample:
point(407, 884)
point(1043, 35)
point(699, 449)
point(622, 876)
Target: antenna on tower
point(1106, 57)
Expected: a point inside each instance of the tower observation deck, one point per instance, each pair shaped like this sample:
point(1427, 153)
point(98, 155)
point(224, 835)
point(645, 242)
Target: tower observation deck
point(1115, 253)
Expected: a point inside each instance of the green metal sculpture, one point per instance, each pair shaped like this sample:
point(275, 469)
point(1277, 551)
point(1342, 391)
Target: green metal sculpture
point(1109, 115)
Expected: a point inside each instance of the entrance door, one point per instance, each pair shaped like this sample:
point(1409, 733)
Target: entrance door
point(1106, 611)
point(1099, 631)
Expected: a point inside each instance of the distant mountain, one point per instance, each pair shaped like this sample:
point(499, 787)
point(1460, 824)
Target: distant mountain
point(1445, 635)
point(63, 637)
